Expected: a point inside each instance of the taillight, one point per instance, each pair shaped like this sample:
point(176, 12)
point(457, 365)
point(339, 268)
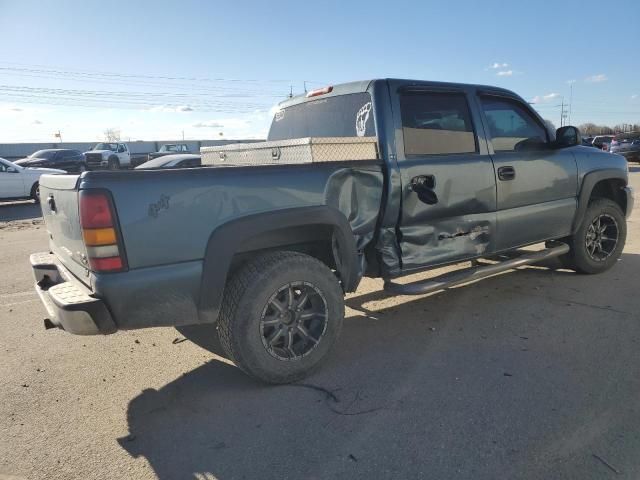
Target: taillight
point(99, 232)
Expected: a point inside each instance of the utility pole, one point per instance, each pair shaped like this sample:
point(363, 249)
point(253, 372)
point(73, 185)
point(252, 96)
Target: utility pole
point(183, 135)
point(562, 112)
point(570, 100)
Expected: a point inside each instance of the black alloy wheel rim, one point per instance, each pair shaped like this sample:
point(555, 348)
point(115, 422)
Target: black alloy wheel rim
point(602, 237)
point(294, 321)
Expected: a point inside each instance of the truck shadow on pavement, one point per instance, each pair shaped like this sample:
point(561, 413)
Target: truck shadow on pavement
point(526, 374)
point(19, 211)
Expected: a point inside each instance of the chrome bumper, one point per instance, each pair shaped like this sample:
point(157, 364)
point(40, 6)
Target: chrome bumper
point(69, 304)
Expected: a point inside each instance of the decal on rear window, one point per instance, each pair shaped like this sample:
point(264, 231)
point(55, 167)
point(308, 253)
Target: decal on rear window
point(361, 119)
point(336, 116)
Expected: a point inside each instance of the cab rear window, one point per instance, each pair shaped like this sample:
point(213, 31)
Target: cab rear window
point(340, 116)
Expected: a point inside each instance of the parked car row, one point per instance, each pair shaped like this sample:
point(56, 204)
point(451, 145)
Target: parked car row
point(109, 156)
point(600, 142)
point(627, 145)
point(20, 180)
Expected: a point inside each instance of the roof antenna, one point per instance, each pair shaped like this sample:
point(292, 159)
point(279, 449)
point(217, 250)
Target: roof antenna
point(305, 86)
point(290, 91)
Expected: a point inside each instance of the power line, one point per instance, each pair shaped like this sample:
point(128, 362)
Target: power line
point(67, 71)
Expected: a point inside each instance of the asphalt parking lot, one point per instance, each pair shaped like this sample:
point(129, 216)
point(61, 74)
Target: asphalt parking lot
point(532, 374)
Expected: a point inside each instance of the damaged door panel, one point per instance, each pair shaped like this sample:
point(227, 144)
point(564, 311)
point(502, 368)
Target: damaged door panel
point(448, 180)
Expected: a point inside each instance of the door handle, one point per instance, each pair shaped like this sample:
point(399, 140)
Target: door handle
point(506, 173)
point(423, 185)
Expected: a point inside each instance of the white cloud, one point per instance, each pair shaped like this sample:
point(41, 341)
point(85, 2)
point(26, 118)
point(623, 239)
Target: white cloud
point(601, 77)
point(505, 73)
point(496, 65)
point(208, 124)
point(544, 98)
point(171, 109)
point(634, 96)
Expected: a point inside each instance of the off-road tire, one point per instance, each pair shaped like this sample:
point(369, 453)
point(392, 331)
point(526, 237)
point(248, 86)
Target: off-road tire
point(578, 258)
point(114, 163)
point(246, 299)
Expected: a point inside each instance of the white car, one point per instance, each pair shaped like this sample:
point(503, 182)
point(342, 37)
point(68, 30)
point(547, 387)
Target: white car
point(17, 182)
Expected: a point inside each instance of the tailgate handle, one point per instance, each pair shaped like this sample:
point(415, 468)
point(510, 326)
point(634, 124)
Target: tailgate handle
point(52, 203)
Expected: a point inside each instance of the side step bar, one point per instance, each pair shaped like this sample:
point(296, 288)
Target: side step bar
point(475, 273)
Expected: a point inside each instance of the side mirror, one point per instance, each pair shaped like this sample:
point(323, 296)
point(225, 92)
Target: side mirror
point(567, 136)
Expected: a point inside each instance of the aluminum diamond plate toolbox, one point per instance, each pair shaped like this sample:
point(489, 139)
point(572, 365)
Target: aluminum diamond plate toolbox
point(295, 151)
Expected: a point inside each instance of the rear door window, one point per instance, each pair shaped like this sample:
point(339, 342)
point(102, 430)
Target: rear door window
point(340, 116)
point(435, 123)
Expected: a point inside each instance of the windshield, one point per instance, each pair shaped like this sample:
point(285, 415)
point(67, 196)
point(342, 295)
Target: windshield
point(44, 154)
point(169, 148)
point(106, 146)
point(5, 164)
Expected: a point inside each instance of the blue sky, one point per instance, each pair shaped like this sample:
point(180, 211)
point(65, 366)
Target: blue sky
point(214, 69)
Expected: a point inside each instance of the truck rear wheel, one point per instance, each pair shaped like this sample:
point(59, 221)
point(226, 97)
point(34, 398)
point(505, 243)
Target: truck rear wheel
point(597, 244)
point(281, 314)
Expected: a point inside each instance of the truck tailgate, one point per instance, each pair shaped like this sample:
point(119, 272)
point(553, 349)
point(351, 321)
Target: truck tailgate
point(59, 202)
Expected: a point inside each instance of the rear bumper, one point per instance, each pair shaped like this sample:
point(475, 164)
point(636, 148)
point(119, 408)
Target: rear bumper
point(69, 304)
point(630, 200)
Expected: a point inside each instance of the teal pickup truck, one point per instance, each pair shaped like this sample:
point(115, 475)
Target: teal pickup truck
point(265, 242)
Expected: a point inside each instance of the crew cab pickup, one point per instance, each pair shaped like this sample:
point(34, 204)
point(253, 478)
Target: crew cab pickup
point(379, 178)
point(108, 155)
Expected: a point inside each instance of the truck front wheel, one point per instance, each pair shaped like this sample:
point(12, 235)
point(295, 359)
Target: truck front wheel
point(114, 163)
point(281, 314)
point(597, 244)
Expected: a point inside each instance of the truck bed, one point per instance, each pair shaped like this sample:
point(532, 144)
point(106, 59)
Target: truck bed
point(166, 219)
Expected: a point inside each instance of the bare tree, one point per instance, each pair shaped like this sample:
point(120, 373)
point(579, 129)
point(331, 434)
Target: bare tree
point(112, 134)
